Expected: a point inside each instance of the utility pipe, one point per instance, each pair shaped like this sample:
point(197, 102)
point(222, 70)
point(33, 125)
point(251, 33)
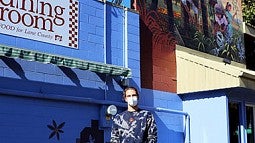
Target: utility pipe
point(125, 37)
point(186, 115)
point(47, 96)
point(105, 47)
point(187, 118)
point(105, 36)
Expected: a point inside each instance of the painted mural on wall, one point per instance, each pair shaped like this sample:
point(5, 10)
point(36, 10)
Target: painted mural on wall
point(56, 129)
point(91, 134)
point(88, 135)
point(210, 26)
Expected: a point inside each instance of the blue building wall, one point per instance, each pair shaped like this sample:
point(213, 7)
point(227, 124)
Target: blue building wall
point(209, 116)
point(26, 119)
point(34, 94)
point(170, 125)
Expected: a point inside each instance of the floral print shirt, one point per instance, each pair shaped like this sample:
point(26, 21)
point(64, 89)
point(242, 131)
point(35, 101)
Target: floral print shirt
point(134, 127)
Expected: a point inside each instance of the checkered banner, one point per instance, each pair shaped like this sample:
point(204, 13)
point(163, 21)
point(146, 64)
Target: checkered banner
point(47, 21)
point(73, 24)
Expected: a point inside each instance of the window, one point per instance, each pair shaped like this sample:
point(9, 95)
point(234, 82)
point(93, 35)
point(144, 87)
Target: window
point(250, 124)
point(234, 122)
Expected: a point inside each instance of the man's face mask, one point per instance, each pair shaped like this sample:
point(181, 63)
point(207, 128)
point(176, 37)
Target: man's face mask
point(132, 100)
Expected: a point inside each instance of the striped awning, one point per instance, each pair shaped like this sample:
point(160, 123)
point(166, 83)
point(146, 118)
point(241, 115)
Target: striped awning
point(58, 60)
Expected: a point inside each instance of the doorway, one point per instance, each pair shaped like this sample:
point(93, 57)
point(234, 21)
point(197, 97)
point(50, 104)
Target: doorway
point(234, 122)
point(250, 123)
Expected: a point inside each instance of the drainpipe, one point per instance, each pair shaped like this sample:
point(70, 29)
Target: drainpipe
point(187, 120)
point(27, 94)
point(105, 48)
point(105, 26)
point(125, 37)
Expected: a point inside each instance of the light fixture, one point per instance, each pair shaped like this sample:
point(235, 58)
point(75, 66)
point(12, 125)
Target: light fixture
point(226, 61)
point(111, 111)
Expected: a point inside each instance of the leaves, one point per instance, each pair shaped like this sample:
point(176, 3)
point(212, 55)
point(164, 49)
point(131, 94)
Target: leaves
point(231, 50)
point(202, 41)
point(248, 9)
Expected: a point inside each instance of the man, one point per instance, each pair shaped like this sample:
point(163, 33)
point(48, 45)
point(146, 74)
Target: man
point(133, 125)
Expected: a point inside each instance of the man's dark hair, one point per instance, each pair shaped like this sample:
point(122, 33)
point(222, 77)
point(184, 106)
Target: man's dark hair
point(128, 88)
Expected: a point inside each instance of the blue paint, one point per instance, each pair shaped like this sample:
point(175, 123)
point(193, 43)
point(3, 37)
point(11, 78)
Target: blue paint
point(25, 118)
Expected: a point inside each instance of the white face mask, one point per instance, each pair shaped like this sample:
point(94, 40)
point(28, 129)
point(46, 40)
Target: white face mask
point(132, 101)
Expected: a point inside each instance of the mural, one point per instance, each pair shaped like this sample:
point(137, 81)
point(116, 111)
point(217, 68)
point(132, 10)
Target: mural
point(56, 129)
point(88, 135)
point(210, 26)
point(91, 134)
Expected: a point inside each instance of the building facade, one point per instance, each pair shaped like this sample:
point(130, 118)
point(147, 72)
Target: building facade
point(202, 51)
point(63, 65)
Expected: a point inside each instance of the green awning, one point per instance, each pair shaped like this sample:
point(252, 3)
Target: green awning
point(58, 60)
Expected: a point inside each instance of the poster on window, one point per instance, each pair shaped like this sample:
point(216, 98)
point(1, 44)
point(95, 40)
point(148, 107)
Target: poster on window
point(48, 21)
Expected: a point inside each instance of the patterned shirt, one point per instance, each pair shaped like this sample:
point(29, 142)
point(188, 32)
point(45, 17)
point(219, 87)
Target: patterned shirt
point(134, 127)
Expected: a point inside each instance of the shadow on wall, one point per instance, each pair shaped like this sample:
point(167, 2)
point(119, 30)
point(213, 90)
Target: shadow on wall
point(15, 66)
point(42, 89)
point(50, 79)
point(170, 126)
point(71, 75)
point(168, 135)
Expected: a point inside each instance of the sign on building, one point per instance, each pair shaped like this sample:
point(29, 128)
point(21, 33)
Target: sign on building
point(54, 22)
